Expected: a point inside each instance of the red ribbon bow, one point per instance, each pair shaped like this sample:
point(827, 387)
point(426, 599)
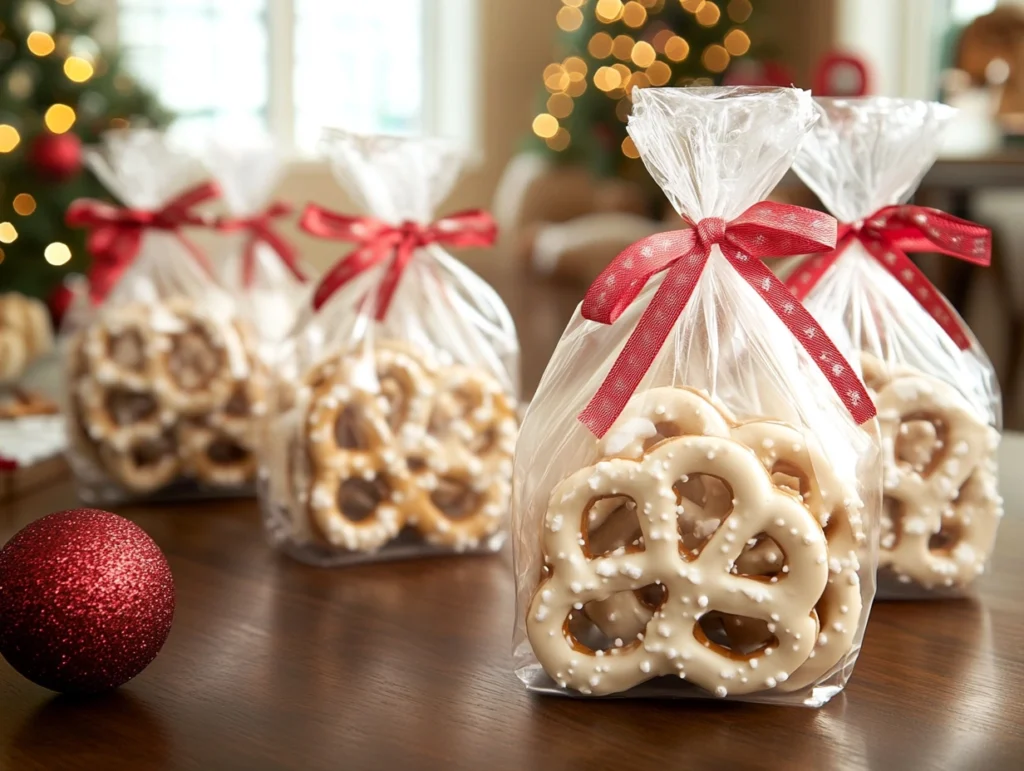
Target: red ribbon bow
point(766, 229)
point(378, 241)
point(116, 232)
point(260, 227)
point(888, 235)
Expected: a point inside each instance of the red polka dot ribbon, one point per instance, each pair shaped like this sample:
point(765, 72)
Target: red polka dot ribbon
point(261, 230)
point(379, 242)
point(764, 230)
point(888, 235)
point(115, 235)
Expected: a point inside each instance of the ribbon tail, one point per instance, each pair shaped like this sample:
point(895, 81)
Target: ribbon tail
point(833, 365)
point(403, 253)
point(809, 272)
point(642, 347)
point(903, 269)
point(249, 261)
point(346, 269)
point(197, 254)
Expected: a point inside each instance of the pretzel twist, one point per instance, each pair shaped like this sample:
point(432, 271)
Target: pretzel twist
point(673, 643)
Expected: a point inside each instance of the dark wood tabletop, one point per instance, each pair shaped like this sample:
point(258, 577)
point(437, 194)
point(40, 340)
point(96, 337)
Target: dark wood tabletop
point(275, 665)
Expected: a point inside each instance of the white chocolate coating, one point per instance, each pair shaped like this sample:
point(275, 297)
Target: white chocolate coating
point(673, 644)
point(942, 506)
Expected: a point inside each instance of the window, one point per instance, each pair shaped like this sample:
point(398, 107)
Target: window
point(294, 66)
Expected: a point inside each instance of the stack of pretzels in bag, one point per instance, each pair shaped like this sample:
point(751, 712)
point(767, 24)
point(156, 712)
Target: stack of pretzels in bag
point(941, 505)
point(384, 439)
point(726, 554)
point(164, 392)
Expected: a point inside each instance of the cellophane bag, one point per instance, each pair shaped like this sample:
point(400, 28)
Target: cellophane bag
point(256, 264)
point(720, 539)
point(165, 391)
point(937, 396)
point(396, 418)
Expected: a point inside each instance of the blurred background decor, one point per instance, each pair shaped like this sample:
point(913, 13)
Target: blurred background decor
point(58, 89)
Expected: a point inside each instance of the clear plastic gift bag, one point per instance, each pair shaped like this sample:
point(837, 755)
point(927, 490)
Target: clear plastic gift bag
point(164, 388)
point(695, 500)
point(938, 400)
point(396, 418)
point(257, 265)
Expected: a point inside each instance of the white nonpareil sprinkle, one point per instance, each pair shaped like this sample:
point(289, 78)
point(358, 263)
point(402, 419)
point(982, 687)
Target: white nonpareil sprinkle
point(721, 692)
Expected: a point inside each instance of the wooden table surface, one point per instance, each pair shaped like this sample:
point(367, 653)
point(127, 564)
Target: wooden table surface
point(275, 665)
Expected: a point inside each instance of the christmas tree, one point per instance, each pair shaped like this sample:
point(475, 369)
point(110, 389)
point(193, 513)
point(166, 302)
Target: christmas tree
point(58, 90)
point(609, 47)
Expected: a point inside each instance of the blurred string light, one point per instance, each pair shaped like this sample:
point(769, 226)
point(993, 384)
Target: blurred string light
point(737, 42)
point(59, 118)
point(23, 204)
point(715, 58)
point(569, 18)
point(643, 62)
point(8, 233)
point(40, 43)
point(560, 140)
point(9, 138)
point(57, 253)
point(739, 10)
point(677, 49)
point(643, 54)
point(600, 45)
point(545, 125)
point(622, 47)
point(608, 11)
point(634, 14)
point(77, 69)
point(708, 15)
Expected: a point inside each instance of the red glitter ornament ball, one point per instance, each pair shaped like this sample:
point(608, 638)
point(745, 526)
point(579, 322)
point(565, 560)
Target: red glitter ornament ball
point(86, 601)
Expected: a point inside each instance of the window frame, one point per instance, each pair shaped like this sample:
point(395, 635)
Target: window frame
point(451, 84)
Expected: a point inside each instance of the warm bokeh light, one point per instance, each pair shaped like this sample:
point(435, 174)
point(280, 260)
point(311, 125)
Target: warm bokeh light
point(637, 80)
point(8, 233)
point(634, 14)
point(608, 10)
point(556, 78)
point(560, 105)
point(629, 149)
point(692, 5)
point(709, 14)
point(739, 10)
point(715, 58)
point(57, 253)
point(600, 45)
point(576, 88)
point(569, 18)
point(607, 78)
point(9, 138)
point(643, 54)
point(677, 49)
point(545, 125)
point(737, 43)
point(77, 69)
point(573, 3)
point(659, 73)
point(59, 118)
point(576, 67)
point(23, 204)
point(559, 141)
point(622, 47)
point(661, 38)
point(40, 43)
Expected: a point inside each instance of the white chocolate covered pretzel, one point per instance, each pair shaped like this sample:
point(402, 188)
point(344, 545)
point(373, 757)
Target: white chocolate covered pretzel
point(942, 508)
point(673, 642)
